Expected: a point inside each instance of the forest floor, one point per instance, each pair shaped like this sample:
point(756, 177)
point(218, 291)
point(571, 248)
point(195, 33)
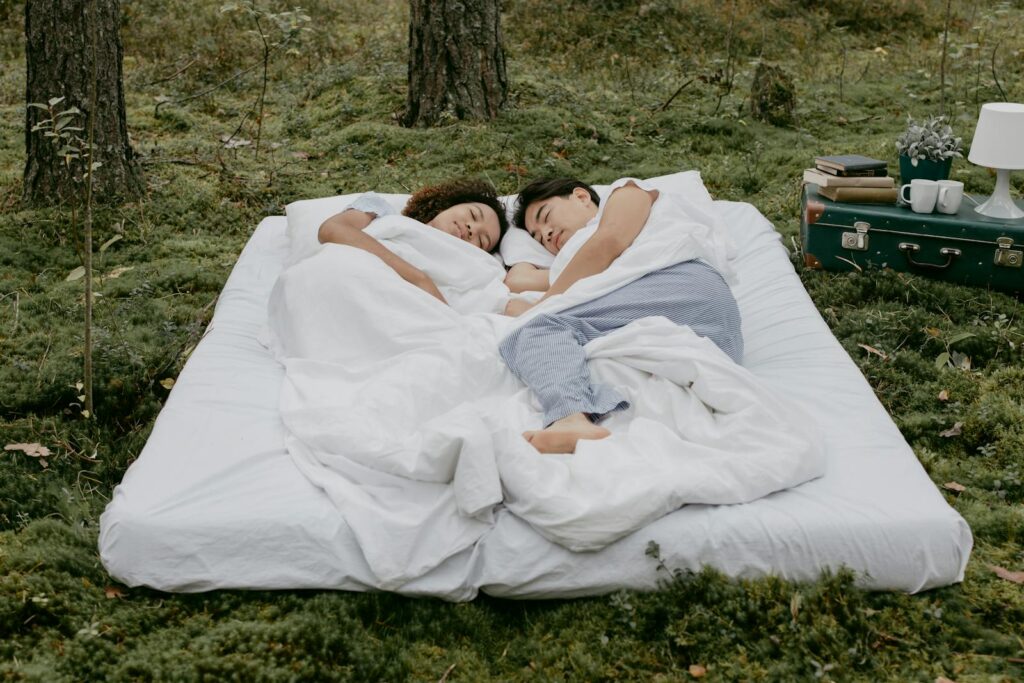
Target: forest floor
point(591, 96)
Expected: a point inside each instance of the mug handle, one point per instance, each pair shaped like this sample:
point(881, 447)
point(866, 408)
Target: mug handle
point(904, 199)
point(940, 199)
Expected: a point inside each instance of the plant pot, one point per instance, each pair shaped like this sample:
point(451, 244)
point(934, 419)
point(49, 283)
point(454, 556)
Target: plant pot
point(926, 168)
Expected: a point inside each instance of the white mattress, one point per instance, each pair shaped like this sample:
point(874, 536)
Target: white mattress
point(214, 500)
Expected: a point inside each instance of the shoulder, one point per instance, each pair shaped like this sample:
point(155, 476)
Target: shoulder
point(632, 186)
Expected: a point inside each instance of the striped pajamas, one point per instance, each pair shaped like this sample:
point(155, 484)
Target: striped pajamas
point(547, 353)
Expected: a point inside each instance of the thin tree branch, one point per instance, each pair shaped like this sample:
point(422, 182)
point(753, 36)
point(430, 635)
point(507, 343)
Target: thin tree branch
point(674, 95)
point(172, 76)
point(945, 50)
point(209, 90)
point(90, 161)
point(1002, 93)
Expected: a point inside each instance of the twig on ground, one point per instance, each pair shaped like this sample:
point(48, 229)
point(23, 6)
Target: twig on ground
point(16, 296)
point(445, 676)
point(172, 76)
point(680, 89)
point(181, 162)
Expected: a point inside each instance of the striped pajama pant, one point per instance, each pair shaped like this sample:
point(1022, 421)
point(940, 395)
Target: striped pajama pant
point(547, 353)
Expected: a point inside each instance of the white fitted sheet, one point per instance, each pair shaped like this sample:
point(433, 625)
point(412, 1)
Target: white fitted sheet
point(215, 501)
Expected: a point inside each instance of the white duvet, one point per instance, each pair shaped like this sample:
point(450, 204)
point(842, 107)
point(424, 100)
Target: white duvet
point(401, 409)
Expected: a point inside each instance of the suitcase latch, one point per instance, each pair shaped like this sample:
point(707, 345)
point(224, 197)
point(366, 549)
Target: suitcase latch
point(1007, 257)
point(857, 241)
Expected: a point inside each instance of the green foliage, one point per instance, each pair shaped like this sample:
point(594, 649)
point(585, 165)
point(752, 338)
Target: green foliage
point(930, 139)
point(591, 94)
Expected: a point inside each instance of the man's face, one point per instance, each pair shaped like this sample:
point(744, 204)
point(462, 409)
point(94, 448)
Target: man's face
point(554, 220)
point(472, 222)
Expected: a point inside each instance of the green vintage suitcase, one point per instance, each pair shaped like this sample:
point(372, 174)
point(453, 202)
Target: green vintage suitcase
point(966, 248)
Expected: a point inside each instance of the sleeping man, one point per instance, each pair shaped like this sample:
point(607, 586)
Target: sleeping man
point(566, 216)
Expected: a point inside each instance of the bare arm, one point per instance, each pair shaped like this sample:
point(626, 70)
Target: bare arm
point(347, 228)
point(624, 217)
point(524, 277)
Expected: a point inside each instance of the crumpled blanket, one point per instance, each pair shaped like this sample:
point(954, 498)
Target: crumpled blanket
point(401, 409)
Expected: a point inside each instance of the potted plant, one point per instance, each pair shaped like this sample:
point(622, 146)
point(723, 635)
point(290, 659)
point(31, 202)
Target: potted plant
point(927, 149)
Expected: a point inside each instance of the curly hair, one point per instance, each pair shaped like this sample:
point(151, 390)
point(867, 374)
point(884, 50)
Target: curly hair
point(425, 204)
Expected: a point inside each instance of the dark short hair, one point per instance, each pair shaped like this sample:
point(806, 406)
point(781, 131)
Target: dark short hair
point(545, 188)
point(425, 204)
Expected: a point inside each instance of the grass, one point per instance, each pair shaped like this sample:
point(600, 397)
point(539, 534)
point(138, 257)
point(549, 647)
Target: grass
point(588, 95)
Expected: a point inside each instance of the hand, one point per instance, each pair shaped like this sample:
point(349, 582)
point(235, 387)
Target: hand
point(424, 282)
point(524, 277)
point(516, 307)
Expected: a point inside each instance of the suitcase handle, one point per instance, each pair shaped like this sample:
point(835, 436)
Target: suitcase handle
point(909, 248)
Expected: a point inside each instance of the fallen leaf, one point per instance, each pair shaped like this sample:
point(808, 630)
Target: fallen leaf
point(106, 245)
point(1016, 577)
point(872, 349)
point(697, 671)
point(300, 155)
point(167, 383)
point(943, 395)
point(952, 431)
point(954, 486)
point(960, 337)
point(33, 449)
point(75, 274)
point(118, 272)
point(113, 592)
point(943, 679)
point(933, 331)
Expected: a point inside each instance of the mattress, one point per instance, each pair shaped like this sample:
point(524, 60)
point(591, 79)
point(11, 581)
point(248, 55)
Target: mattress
point(215, 501)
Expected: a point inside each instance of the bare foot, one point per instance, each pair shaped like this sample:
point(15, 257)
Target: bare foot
point(561, 436)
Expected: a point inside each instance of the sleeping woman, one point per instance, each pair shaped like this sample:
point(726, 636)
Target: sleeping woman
point(466, 209)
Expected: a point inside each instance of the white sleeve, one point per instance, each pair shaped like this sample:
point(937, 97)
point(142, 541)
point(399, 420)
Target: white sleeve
point(371, 202)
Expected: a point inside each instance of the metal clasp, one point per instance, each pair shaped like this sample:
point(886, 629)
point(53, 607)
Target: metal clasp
point(1005, 256)
point(857, 241)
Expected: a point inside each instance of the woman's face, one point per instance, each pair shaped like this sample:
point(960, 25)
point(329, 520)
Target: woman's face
point(472, 222)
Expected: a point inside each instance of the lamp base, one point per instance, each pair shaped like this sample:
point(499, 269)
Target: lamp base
point(1000, 204)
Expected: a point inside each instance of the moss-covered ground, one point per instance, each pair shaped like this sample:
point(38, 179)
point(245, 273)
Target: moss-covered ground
point(591, 87)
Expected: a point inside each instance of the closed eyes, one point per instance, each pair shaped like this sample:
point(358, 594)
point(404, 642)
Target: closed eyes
point(538, 234)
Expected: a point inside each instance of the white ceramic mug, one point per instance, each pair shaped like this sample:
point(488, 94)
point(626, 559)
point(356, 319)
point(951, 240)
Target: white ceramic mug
point(923, 194)
point(951, 193)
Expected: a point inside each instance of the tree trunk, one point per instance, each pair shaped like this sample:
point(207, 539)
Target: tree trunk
point(456, 61)
point(58, 55)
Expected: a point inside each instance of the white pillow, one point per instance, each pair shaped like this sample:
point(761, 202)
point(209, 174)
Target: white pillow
point(518, 247)
point(306, 215)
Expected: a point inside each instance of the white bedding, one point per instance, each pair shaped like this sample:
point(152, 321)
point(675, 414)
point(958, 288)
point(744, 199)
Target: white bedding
point(215, 500)
point(401, 409)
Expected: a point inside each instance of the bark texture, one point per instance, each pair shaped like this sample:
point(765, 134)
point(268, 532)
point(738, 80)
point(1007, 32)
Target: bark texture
point(59, 61)
point(456, 61)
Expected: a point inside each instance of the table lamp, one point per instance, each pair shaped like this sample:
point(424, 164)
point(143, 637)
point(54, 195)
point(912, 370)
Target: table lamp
point(999, 144)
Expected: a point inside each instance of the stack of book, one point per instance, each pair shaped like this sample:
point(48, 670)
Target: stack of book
point(852, 178)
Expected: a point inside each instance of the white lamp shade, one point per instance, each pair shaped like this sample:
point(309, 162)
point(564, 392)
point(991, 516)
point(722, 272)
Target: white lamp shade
point(999, 137)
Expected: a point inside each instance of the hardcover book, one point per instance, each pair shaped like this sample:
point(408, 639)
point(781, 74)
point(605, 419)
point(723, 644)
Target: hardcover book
point(868, 195)
point(849, 162)
point(860, 173)
point(820, 179)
